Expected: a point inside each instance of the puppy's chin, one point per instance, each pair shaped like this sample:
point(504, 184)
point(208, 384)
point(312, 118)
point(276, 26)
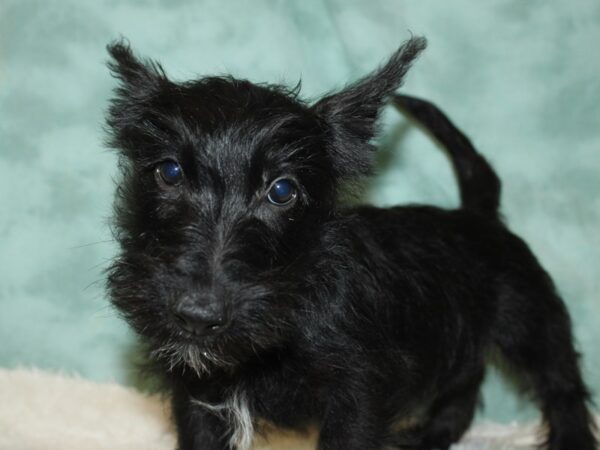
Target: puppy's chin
point(223, 352)
point(202, 357)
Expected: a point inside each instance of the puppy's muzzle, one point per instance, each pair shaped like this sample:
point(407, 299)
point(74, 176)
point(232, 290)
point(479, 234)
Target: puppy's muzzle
point(200, 316)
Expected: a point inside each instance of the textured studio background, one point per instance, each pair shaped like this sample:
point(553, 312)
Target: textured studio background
point(521, 77)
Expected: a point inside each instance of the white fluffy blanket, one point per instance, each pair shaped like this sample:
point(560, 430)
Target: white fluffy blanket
point(44, 411)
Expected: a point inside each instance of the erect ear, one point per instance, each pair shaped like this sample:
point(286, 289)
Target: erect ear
point(352, 113)
point(140, 80)
point(139, 77)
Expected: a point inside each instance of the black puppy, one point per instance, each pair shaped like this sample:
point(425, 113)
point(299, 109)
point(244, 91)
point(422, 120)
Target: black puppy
point(261, 298)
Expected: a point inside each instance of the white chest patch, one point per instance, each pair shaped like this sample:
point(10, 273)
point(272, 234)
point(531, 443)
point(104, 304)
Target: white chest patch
point(236, 413)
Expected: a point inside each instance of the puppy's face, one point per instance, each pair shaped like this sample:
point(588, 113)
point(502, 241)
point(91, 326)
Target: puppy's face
point(225, 184)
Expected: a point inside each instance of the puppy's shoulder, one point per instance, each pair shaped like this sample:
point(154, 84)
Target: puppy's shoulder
point(419, 216)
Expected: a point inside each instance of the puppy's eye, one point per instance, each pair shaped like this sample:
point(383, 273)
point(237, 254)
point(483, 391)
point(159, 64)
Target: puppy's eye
point(169, 173)
point(282, 192)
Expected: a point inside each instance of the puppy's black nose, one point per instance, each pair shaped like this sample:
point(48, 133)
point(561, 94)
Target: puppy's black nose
point(201, 320)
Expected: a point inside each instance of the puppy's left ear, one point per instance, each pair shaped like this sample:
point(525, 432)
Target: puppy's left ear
point(352, 113)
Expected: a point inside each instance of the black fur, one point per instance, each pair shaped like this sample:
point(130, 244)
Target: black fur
point(353, 319)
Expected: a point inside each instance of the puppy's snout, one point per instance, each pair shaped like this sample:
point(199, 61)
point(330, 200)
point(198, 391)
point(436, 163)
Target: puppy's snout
point(201, 318)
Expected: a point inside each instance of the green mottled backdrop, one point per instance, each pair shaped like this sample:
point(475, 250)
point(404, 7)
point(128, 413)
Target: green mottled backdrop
point(521, 76)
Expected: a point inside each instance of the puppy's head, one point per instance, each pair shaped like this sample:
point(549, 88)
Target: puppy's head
point(224, 186)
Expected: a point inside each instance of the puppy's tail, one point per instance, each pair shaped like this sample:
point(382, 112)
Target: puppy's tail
point(479, 185)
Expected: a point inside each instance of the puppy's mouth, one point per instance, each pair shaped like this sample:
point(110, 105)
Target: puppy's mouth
point(202, 342)
point(201, 354)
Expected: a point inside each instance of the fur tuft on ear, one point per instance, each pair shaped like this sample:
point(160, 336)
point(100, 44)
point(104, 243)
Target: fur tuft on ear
point(137, 76)
point(140, 81)
point(352, 113)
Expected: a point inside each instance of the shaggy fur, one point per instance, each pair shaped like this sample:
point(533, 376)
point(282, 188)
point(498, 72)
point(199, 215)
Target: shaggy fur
point(306, 312)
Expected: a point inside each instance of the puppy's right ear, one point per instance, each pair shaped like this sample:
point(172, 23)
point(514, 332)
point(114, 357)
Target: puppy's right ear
point(138, 77)
point(140, 81)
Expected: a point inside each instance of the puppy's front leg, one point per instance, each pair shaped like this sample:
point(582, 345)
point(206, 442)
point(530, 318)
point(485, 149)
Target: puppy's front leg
point(197, 427)
point(352, 422)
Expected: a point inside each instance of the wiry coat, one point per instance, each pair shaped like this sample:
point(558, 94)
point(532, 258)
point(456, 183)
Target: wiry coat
point(353, 319)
